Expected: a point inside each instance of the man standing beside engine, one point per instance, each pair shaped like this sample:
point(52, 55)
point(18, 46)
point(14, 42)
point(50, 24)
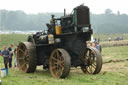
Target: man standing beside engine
point(10, 55)
point(5, 54)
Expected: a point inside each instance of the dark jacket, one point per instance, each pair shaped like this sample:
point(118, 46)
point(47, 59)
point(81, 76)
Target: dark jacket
point(10, 52)
point(5, 53)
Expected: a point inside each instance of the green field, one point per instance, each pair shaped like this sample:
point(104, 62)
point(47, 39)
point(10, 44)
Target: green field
point(114, 73)
point(104, 37)
point(7, 39)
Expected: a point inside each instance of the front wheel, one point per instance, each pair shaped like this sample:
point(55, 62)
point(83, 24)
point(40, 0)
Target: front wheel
point(92, 61)
point(59, 63)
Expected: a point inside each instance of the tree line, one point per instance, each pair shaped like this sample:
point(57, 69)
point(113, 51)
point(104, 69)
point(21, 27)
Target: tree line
point(108, 22)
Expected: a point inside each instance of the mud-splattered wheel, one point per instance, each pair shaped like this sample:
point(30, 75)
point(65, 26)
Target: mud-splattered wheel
point(92, 60)
point(59, 63)
point(26, 57)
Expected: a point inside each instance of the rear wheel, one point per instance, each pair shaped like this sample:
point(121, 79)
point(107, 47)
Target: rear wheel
point(26, 57)
point(59, 64)
point(92, 60)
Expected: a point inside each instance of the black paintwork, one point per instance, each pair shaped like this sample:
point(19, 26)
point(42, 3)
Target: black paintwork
point(71, 40)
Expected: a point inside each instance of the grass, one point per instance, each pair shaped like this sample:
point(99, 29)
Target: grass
point(111, 74)
point(114, 43)
point(7, 39)
point(75, 78)
point(115, 53)
point(104, 37)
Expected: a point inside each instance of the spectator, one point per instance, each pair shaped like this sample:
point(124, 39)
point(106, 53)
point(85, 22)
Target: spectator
point(5, 55)
point(98, 40)
point(95, 39)
point(10, 55)
point(0, 52)
point(98, 47)
point(109, 39)
point(15, 60)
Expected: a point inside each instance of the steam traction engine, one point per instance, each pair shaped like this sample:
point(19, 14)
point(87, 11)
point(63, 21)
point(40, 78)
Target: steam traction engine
point(62, 46)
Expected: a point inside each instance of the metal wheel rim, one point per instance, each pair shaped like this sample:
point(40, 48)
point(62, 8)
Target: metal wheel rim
point(23, 58)
point(56, 63)
point(90, 62)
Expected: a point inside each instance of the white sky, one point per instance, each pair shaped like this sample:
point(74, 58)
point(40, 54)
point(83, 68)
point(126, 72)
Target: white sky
point(36, 6)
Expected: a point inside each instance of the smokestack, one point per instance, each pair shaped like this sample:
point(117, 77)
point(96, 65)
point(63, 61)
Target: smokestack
point(64, 12)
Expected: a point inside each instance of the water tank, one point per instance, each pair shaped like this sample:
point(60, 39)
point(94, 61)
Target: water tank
point(81, 15)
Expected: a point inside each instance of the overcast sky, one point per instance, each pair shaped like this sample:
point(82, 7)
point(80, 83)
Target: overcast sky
point(36, 6)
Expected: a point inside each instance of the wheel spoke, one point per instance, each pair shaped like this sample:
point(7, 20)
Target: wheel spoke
point(86, 70)
point(53, 58)
point(57, 53)
point(23, 65)
point(86, 59)
point(60, 58)
point(21, 50)
point(61, 62)
point(90, 68)
point(59, 72)
point(94, 66)
point(62, 67)
point(54, 67)
point(26, 53)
